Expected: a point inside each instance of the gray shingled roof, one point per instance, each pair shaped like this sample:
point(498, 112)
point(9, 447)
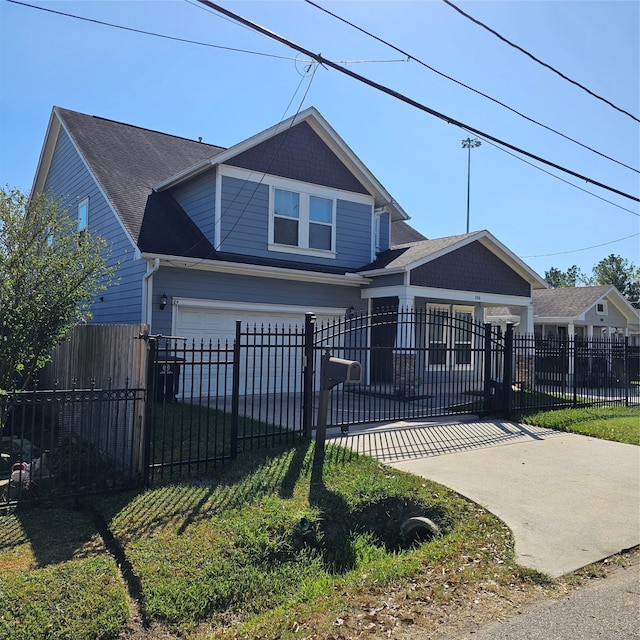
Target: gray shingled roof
point(400, 256)
point(402, 233)
point(128, 161)
point(566, 302)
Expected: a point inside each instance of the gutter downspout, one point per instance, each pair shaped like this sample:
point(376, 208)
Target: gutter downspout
point(147, 288)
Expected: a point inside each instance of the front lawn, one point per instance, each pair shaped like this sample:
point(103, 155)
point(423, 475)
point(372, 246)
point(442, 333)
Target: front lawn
point(618, 423)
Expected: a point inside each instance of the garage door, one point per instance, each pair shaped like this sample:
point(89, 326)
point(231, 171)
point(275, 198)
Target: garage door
point(273, 364)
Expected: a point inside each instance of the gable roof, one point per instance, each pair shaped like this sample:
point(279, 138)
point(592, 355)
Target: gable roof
point(326, 133)
point(131, 165)
point(405, 257)
point(575, 302)
point(566, 304)
point(125, 160)
point(402, 233)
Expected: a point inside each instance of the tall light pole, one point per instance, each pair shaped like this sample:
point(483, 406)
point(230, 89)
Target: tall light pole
point(469, 144)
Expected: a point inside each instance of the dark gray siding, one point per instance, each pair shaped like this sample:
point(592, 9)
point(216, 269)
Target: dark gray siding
point(69, 179)
point(245, 227)
point(299, 153)
point(198, 198)
point(471, 268)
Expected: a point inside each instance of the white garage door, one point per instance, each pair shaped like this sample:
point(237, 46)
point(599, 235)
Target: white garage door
point(273, 367)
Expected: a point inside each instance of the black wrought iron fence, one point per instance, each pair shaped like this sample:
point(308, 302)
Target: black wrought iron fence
point(63, 442)
point(559, 372)
point(417, 363)
point(205, 402)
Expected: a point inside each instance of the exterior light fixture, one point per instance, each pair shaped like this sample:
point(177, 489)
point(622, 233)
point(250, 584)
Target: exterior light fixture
point(163, 301)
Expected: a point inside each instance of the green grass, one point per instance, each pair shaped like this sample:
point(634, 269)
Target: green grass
point(618, 423)
point(283, 531)
point(280, 543)
point(56, 579)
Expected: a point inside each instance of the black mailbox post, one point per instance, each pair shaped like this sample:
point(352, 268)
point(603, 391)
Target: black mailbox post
point(337, 370)
point(333, 371)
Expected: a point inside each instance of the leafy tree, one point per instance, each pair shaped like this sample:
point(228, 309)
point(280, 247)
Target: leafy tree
point(615, 270)
point(622, 274)
point(49, 275)
point(572, 277)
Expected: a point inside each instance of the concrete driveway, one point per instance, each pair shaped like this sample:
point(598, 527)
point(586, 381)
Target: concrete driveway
point(570, 500)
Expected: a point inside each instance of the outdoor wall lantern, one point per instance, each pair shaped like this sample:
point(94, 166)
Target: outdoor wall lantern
point(163, 301)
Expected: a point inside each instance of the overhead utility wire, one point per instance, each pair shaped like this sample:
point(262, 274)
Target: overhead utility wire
point(595, 246)
point(553, 175)
point(322, 60)
point(544, 64)
point(174, 38)
point(462, 84)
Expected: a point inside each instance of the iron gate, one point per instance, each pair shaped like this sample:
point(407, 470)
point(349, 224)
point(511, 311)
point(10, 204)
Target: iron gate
point(416, 363)
point(213, 400)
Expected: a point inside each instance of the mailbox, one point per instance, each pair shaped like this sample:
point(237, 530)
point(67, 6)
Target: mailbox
point(337, 370)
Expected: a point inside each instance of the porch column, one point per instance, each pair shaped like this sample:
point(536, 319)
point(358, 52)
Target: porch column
point(404, 357)
point(524, 374)
point(526, 320)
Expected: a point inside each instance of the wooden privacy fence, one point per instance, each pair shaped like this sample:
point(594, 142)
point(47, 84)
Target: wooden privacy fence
point(79, 427)
point(98, 355)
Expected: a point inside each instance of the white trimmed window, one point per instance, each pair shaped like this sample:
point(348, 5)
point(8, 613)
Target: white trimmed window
point(301, 221)
point(601, 308)
point(450, 336)
point(83, 214)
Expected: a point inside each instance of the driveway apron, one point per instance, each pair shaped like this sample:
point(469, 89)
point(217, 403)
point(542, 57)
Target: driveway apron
point(569, 500)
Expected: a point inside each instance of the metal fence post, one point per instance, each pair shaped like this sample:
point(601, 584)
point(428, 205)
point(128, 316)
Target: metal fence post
point(152, 347)
point(307, 373)
point(235, 393)
point(507, 378)
point(625, 371)
point(488, 355)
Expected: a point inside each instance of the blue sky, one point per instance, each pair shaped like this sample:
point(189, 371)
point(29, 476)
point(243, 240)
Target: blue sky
point(225, 96)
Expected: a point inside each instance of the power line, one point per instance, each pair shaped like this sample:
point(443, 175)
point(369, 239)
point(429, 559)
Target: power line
point(391, 92)
point(263, 174)
point(595, 246)
point(544, 64)
point(175, 38)
point(462, 84)
point(553, 175)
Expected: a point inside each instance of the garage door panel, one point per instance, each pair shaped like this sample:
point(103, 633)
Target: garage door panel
point(273, 362)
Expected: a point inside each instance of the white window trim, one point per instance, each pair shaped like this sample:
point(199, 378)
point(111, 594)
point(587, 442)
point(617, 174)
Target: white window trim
point(289, 185)
point(305, 192)
point(449, 339)
point(605, 309)
point(377, 222)
point(83, 203)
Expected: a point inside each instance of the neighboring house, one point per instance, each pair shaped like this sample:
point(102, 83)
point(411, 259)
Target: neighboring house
point(583, 312)
point(285, 222)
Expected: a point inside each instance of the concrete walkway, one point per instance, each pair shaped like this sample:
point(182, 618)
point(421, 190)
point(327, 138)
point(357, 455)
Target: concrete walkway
point(569, 500)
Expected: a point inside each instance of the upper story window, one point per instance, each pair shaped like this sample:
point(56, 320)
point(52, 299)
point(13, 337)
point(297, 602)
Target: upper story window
point(83, 214)
point(601, 308)
point(302, 221)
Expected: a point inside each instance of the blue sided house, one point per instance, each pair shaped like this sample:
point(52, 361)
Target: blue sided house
point(285, 222)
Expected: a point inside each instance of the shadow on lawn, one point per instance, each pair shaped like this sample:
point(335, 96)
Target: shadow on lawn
point(54, 534)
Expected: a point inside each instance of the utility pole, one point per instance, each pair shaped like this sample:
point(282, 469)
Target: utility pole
point(469, 143)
